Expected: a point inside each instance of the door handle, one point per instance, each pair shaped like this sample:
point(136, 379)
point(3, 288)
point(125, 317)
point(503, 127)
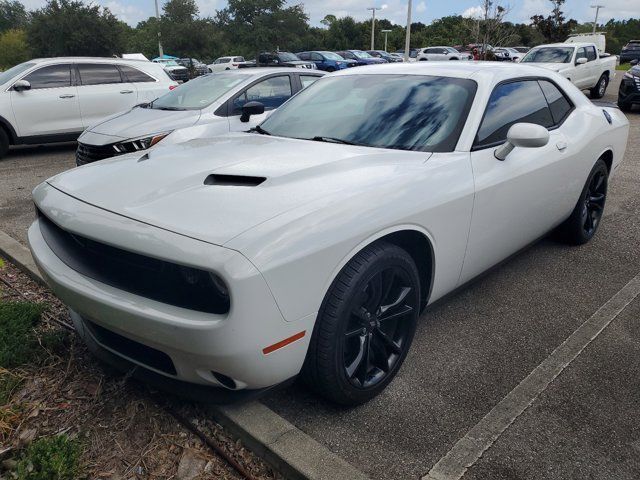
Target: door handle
point(561, 145)
point(126, 91)
point(68, 95)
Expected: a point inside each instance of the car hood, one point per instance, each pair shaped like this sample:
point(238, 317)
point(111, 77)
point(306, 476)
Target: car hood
point(144, 121)
point(172, 187)
point(556, 67)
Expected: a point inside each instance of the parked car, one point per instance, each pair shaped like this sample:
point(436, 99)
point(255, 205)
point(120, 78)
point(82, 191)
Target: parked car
point(413, 53)
point(279, 59)
point(360, 57)
point(207, 106)
point(631, 51)
point(507, 54)
point(311, 245)
point(441, 54)
point(226, 63)
point(629, 92)
point(397, 55)
point(522, 49)
point(173, 68)
point(194, 66)
point(327, 61)
point(384, 55)
point(579, 62)
point(54, 99)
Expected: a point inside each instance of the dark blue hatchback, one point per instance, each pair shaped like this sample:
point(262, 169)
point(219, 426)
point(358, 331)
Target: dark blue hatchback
point(327, 61)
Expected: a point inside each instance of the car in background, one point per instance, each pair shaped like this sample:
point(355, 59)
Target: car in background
point(507, 54)
point(522, 49)
point(413, 53)
point(361, 57)
point(629, 91)
point(54, 99)
point(631, 51)
point(279, 59)
point(226, 63)
point(441, 54)
point(310, 246)
point(397, 55)
point(195, 67)
point(206, 106)
point(327, 61)
point(173, 68)
point(384, 55)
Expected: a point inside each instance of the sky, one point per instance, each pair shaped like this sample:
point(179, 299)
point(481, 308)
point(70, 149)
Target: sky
point(132, 11)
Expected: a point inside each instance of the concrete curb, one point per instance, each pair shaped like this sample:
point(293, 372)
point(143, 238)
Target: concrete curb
point(280, 443)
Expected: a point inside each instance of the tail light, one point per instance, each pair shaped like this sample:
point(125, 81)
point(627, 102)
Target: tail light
point(235, 64)
point(171, 87)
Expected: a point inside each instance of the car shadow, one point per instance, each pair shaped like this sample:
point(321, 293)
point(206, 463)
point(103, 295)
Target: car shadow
point(32, 150)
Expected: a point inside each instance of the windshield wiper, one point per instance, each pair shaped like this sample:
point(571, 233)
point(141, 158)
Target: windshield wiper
point(172, 109)
point(260, 130)
point(333, 140)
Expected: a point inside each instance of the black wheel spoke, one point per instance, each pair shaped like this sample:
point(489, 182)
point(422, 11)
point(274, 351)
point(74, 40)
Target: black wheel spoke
point(352, 368)
point(354, 333)
point(365, 364)
point(390, 344)
point(400, 298)
point(405, 310)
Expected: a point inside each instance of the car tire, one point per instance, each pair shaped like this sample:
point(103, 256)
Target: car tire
point(4, 142)
point(423, 59)
point(601, 87)
point(331, 69)
point(365, 326)
point(586, 217)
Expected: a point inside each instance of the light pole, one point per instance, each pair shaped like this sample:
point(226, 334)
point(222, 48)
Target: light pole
point(159, 43)
point(595, 24)
point(385, 38)
point(407, 38)
point(373, 24)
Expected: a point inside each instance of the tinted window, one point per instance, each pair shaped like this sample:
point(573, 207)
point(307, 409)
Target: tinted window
point(591, 54)
point(97, 74)
point(53, 76)
point(238, 59)
point(404, 112)
point(307, 80)
point(512, 103)
point(316, 57)
point(271, 92)
point(558, 102)
point(134, 75)
point(304, 56)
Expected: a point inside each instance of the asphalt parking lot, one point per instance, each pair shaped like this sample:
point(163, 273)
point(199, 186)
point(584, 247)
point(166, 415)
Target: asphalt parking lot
point(473, 349)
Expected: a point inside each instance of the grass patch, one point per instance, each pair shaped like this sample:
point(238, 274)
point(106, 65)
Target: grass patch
point(624, 67)
point(18, 340)
point(51, 458)
point(8, 384)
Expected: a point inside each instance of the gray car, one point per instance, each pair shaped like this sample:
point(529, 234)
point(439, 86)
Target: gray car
point(210, 105)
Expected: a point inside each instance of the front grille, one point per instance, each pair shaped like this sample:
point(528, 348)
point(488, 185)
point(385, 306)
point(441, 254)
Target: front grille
point(130, 348)
point(147, 277)
point(92, 153)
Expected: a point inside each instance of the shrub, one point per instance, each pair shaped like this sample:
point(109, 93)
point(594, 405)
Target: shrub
point(18, 341)
point(51, 458)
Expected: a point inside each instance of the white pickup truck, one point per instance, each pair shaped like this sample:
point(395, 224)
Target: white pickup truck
point(581, 63)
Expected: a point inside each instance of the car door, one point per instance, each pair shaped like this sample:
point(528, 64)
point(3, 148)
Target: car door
point(102, 92)
point(272, 92)
point(317, 59)
point(582, 75)
point(521, 198)
point(593, 66)
point(50, 106)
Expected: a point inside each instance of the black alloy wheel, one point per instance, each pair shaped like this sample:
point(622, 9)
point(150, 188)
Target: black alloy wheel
point(593, 204)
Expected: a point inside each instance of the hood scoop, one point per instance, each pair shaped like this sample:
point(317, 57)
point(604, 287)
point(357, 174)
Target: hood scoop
point(233, 180)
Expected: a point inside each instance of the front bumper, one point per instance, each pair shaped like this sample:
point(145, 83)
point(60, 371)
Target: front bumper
point(629, 91)
point(198, 344)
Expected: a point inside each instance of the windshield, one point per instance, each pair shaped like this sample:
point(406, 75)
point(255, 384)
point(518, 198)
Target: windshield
point(13, 71)
point(549, 55)
point(361, 54)
point(287, 57)
point(404, 112)
point(199, 93)
point(332, 56)
point(171, 63)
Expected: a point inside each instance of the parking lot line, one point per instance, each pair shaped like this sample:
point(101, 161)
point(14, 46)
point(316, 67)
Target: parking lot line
point(470, 448)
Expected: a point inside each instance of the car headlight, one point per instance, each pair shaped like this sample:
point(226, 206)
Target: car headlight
point(139, 143)
point(633, 73)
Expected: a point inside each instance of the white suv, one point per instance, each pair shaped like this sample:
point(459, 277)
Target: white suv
point(442, 53)
point(226, 63)
point(55, 99)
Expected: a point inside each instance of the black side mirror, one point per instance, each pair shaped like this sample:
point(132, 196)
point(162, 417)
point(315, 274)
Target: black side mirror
point(251, 108)
point(21, 86)
point(634, 62)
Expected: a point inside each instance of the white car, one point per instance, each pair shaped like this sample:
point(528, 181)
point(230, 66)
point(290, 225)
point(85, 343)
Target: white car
point(174, 69)
point(226, 63)
point(205, 107)
point(54, 99)
point(442, 53)
point(312, 244)
point(581, 63)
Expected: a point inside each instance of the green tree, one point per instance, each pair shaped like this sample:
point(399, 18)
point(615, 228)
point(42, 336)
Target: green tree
point(69, 27)
point(555, 27)
point(12, 15)
point(13, 48)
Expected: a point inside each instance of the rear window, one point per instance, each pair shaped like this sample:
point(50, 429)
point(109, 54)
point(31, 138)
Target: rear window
point(134, 75)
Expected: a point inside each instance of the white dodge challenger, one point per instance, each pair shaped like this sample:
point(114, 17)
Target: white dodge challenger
point(311, 244)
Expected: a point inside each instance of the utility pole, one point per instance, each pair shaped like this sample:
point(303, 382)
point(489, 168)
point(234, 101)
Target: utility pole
point(385, 38)
point(159, 42)
point(407, 38)
point(373, 25)
point(595, 24)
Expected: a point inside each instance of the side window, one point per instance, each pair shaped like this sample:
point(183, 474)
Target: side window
point(134, 75)
point(591, 54)
point(582, 53)
point(98, 73)
point(558, 103)
point(303, 56)
point(307, 80)
point(272, 92)
point(52, 76)
point(316, 57)
point(238, 59)
point(512, 103)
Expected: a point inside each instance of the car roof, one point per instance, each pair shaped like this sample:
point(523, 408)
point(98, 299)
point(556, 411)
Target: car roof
point(90, 59)
point(267, 70)
point(568, 45)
